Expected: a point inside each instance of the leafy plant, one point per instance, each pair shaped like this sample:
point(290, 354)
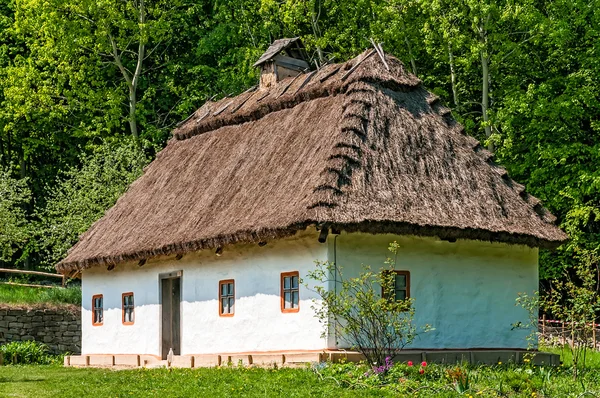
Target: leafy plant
point(26, 352)
point(14, 195)
point(357, 313)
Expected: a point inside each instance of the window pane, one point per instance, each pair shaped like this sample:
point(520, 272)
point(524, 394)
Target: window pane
point(231, 305)
point(230, 291)
point(287, 300)
point(400, 281)
point(225, 306)
point(294, 282)
point(224, 289)
point(400, 294)
point(295, 298)
point(286, 282)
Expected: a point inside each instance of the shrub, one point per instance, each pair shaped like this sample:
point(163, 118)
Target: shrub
point(26, 353)
point(356, 311)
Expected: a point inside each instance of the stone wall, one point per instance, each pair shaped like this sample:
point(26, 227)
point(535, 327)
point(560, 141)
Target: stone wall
point(58, 327)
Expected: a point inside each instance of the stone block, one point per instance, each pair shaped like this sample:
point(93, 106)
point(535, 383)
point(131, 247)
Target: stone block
point(412, 356)
point(206, 361)
point(69, 334)
point(101, 360)
point(266, 359)
point(149, 360)
point(345, 356)
point(182, 361)
point(235, 360)
point(48, 339)
point(73, 327)
point(494, 357)
point(3, 324)
point(15, 312)
point(450, 357)
point(127, 360)
point(301, 358)
point(27, 338)
point(9, 318)
point(3, 312)
point(78, 360)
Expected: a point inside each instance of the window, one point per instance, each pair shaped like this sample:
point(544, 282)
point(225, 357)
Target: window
point(97, 310)
point(227, 297)
point(290, 292)
point(401, 286)
point(127, 308)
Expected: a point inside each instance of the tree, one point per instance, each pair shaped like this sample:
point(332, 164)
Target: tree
point(82, 195)
point(15, 232)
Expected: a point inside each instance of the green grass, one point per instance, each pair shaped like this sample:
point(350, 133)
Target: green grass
point(32, 295)
point(55, 381)
point(339, 380)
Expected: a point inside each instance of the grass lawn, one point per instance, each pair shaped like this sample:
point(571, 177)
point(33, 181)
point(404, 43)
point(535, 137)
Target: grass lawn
point(56, 381)
point(337, 380)
point(30, 295)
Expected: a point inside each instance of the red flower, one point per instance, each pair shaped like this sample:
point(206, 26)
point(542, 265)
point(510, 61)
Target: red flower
point(421, 371)
point(409, 363)
point(423, 364)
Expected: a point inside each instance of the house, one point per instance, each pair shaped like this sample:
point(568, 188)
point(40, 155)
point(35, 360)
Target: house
point(204, 253)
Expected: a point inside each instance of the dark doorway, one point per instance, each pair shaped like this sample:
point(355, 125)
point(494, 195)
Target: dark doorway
point(170, 287)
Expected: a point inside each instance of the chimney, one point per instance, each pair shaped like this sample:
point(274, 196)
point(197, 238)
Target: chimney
point(284, 58)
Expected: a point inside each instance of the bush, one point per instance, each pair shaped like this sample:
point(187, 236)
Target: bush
point(27, 353)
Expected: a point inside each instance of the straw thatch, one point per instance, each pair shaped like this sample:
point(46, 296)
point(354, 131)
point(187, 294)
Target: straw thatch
point(352, 147)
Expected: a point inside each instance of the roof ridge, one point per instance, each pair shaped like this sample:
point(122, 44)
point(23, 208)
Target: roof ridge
point(330, 80)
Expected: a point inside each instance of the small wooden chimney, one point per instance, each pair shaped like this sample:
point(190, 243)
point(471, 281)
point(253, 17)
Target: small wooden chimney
point(284, 58)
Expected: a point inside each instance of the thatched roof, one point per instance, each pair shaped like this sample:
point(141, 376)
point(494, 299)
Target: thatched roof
point(357, 149)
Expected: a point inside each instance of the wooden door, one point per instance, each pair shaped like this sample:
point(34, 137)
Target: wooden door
point(170, 315)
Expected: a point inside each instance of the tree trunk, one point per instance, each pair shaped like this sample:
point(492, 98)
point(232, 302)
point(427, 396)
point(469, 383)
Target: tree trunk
point(132, 119)
point(485, 89)
point(453, 75)
point(413, 63)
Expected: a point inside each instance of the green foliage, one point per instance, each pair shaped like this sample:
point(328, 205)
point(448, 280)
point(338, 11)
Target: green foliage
point(574, 300)
point(83, 194)
point(26, 353)
point(62, 90)
point(322, 380)
point(354, 310)
point(14, 196)
point(31, 295)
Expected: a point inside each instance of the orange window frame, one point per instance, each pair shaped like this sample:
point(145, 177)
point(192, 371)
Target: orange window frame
point(94, 297)
point(282, 291)
point(221, 283)
point(123, 309)
point(396, 273)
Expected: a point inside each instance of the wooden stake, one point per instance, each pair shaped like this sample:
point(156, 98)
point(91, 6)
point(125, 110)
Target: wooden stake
point(563, 334)
point(358, 64)
point(594, 333)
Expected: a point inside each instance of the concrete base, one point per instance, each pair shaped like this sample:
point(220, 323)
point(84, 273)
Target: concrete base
point(298, 359)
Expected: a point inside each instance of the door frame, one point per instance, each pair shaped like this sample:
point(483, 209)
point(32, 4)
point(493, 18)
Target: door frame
point(161, 277)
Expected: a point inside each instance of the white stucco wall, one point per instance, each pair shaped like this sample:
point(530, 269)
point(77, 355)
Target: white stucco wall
point(258, 324)
point(466, 290)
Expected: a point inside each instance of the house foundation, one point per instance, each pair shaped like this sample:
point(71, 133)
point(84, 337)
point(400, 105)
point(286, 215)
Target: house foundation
point(300, 359)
